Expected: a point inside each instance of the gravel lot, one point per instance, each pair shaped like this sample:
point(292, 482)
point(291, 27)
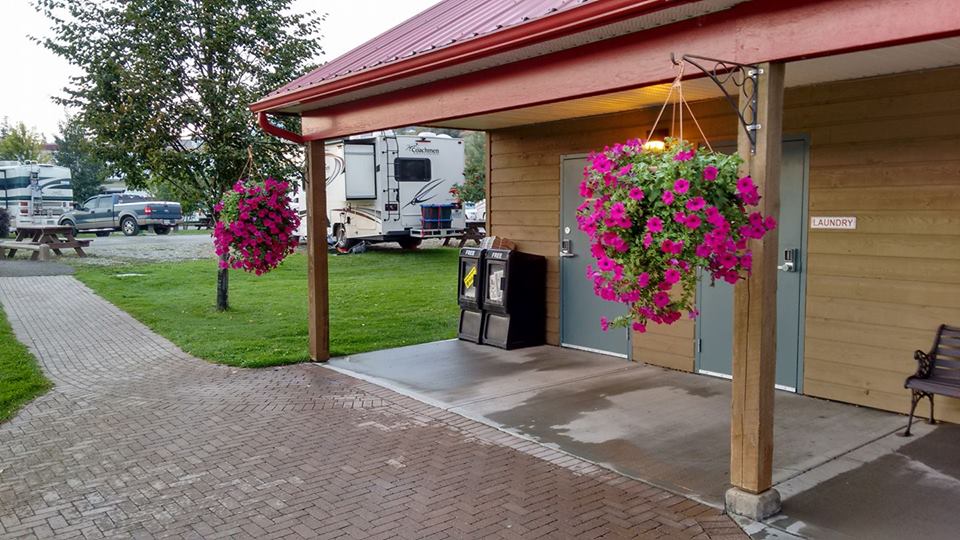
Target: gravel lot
point(148, 247)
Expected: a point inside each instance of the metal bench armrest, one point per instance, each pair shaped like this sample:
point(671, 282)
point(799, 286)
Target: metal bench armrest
point(924, 364)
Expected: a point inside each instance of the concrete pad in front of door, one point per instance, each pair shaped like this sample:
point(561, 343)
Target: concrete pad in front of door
point(669, 428)
point(453, 373)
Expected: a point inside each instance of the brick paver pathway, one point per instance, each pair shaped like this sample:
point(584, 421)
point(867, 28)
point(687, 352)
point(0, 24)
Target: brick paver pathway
point(138, 439)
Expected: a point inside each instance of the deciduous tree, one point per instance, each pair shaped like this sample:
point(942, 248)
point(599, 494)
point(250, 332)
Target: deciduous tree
point(165, 85)
point(474, 168)
point(20, 143)
point(75, 151)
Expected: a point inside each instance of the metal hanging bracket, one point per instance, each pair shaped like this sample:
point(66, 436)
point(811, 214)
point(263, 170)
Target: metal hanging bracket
point(745, 77)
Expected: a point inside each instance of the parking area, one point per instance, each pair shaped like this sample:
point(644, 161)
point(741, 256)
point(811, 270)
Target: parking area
point(149, 247)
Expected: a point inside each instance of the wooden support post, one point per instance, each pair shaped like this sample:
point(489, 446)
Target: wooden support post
point(755, 319)
point(318, 310)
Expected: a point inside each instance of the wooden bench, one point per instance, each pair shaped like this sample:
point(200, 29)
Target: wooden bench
point(40, 251)
point(938, 371)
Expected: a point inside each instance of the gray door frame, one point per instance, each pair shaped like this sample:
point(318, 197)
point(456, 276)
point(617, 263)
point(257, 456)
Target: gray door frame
point(804, 229)
point(563, 210)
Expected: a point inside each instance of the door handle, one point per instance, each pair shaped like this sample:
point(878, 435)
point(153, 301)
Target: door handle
point(790, 260)
point(566, 248)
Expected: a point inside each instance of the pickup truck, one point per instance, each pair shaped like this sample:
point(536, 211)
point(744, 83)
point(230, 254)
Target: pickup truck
point(123, 212)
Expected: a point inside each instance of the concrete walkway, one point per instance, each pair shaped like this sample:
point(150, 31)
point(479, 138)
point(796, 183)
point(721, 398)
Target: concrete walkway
point(138, 439)
point(842, 469)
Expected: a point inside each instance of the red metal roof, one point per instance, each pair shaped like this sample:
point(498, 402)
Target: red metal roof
point(448, 23)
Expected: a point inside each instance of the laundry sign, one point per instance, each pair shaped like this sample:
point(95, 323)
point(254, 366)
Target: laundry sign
point(833, 222)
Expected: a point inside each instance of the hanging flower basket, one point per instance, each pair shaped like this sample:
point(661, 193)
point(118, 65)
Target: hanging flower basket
point(256, 227)
point(654, 216)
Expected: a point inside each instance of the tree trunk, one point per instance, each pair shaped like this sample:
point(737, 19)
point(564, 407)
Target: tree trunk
point(222, 289)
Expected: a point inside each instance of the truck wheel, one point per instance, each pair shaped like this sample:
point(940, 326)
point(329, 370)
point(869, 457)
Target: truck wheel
point(129, 226)
point(101, 234)
point(410, 243)
point(343, 243)
point(161, 229)
point(72, 225)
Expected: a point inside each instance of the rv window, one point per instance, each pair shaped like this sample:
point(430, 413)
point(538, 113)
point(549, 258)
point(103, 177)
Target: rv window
point(412, 169)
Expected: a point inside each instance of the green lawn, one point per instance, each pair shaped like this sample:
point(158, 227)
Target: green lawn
point(378, 299)
point(20, 378)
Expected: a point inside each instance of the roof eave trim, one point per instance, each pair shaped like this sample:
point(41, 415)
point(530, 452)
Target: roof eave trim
point(566, 22)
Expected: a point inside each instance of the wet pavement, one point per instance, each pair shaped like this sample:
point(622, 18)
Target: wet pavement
point(24, 268)
point(839, 467)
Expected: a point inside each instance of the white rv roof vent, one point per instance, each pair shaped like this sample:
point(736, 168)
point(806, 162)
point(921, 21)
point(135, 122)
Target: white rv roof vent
point(426, 134)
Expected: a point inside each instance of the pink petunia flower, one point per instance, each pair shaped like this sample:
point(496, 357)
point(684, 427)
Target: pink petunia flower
point(654, 224)
point(681, 186)
point(710, 173)
point(618, 211)
point(696, 204)
point(636, 194)
point(585, 190)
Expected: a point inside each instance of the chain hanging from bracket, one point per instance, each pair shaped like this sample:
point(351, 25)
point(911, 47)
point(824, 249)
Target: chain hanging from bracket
point(745, 77)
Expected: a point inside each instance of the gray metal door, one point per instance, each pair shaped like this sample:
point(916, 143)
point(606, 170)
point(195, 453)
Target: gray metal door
point(715, 324)
point(580, 309)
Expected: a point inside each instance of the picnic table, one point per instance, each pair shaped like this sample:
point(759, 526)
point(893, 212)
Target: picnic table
point(474, 231)
point(42, 239)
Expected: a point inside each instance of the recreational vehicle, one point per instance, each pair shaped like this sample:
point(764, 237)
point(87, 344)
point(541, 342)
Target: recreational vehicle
point(34, 193)
point(392, 188)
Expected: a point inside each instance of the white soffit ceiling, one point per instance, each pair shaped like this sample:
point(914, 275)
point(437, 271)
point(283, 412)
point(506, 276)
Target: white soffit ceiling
point(856, 65)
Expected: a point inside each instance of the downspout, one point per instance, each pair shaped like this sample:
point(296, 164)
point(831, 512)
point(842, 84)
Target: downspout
point(278, 131)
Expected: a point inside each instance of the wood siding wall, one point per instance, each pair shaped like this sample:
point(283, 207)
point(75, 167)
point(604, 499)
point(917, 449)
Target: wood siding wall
point(886, 150)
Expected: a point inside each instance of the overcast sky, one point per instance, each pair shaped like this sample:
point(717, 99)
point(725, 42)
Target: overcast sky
point(31, 74)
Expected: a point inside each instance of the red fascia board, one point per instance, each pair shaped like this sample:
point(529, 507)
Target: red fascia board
point(751, 32)
point(568, 22)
